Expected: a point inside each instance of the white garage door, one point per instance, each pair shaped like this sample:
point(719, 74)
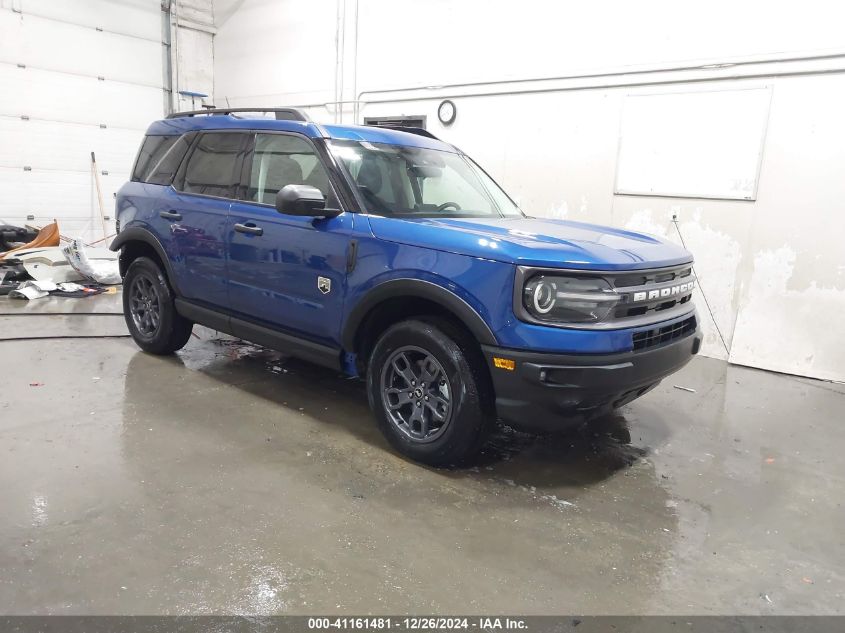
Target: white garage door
point(76, 76)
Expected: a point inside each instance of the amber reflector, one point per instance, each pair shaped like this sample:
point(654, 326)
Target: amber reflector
point(504, 363)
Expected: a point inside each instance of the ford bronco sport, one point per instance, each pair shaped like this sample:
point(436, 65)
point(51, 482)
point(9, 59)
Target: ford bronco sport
point(391, 255)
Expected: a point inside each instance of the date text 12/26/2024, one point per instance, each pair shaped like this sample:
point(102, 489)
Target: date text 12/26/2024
point(384, 623)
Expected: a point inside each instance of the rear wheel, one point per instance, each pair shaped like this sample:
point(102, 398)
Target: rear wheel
point(428, 393)
point(149, 309)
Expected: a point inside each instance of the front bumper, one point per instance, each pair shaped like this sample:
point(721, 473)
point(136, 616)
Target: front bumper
point(548, 392)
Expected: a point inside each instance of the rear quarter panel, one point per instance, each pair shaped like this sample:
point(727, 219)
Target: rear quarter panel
point(138, 205)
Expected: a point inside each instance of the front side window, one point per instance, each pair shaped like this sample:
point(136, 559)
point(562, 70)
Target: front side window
point(212, 168)
point(414, 181)
point(280, 160)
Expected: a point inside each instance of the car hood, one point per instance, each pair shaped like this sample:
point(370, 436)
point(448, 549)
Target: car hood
point(534, 242)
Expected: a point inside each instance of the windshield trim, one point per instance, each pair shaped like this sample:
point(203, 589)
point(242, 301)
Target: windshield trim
point(475, 165)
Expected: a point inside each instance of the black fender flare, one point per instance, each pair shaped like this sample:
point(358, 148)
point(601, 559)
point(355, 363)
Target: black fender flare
point(138, 234)
point(420, 289)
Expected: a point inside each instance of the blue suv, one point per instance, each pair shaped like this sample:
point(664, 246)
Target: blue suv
point(388, 254)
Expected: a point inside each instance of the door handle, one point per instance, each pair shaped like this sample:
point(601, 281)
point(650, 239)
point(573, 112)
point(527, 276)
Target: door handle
point(170, 215)
point(250, 229)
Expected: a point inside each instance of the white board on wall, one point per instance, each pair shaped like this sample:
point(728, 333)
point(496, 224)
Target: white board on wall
point(693, 144)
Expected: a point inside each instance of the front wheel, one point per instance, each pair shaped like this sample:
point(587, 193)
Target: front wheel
point(428, 393)
point(149, 309)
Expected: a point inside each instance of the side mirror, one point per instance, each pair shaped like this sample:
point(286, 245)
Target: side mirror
point(303, 200)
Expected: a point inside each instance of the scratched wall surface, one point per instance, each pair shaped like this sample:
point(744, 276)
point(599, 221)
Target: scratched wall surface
point(773, 269)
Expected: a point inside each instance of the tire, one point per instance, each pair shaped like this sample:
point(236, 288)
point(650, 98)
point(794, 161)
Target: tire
point(445, 421)
point(149, 309)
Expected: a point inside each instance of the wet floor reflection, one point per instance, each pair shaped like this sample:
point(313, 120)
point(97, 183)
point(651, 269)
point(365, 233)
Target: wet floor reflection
point(229, 479)
point(262, 424)
point(588, 454)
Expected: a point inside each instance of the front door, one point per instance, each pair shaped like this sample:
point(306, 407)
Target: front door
point(286, 271)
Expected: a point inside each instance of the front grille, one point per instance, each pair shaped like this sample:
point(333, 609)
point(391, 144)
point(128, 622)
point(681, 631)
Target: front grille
point(663, 335)
point(669, 281)
point(654, 306)
point(626, 280)
point(640, 297)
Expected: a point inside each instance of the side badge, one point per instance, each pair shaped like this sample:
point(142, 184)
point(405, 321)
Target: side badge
point(324, 284)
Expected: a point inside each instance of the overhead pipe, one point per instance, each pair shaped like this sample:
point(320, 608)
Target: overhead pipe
point(709, 66)
point(707, 70)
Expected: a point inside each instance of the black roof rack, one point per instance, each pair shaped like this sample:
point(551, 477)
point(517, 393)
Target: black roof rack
point(282, 114)
point(410, 130)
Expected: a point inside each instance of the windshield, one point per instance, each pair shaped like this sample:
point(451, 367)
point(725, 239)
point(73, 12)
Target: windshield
point(412, 181)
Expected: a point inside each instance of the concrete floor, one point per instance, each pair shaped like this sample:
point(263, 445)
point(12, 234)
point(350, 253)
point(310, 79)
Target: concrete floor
point(228, 479)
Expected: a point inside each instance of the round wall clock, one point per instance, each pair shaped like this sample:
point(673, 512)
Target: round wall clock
point(447, 112)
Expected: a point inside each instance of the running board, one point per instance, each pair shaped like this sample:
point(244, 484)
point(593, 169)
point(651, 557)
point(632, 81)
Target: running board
point(262, 335)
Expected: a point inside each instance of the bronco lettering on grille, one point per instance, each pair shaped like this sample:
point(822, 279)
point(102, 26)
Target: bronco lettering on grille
point(660, 293)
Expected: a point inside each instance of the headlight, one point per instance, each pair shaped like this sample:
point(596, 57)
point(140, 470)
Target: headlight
point(569, 299)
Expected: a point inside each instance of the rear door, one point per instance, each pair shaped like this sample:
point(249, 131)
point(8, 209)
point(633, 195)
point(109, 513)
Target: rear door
point(197, 212)
point(286, 271)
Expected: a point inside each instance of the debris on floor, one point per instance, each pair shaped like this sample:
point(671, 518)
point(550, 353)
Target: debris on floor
point(47, 264)
point(99, 265)
point(40, 289)
point(48, 236)
point(33, 290)
point(690, 389)
point(42, 267)
point(14, 236)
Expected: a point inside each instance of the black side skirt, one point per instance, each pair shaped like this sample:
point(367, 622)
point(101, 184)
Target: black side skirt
point(268, 337)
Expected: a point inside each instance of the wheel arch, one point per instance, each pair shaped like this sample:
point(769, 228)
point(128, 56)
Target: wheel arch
point(134, 242)
point(404, 298)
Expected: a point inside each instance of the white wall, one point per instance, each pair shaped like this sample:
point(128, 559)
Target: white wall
point(773, 269)
point(78, 76)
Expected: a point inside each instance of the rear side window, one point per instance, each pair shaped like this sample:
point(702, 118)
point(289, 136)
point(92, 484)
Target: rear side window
point(159, 158)
point(214, 165)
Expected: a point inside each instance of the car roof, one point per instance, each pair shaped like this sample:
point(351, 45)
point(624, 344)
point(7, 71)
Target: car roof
point(176, 124)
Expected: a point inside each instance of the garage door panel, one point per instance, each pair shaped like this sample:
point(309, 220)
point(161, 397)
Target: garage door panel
point(69, 197)
point(57, 96)
point(111, 184)
point(54, 110)
point(12, 44)
point(84, 51)
point(141, 18)
point(45, 194)
point(49, 145)
point(124, 66)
